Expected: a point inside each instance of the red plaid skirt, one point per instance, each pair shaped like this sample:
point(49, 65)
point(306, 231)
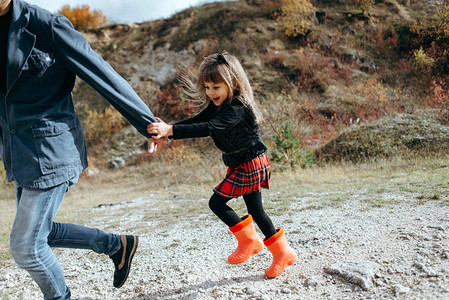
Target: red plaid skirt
point(247, 177)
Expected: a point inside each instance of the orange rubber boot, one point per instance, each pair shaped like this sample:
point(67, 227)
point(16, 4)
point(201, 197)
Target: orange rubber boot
point(283, 254)
point(249, 242)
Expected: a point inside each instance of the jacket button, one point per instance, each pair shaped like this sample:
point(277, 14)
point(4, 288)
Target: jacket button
point(13, 131)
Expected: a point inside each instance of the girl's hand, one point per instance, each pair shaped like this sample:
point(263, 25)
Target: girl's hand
point(161, 129)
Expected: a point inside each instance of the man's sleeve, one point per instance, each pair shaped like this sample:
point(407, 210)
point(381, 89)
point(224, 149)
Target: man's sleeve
point(71, 46)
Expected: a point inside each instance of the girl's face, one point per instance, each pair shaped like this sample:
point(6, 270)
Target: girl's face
point(217, 92)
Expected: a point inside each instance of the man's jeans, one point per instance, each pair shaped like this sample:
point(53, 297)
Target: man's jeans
point(34, 232)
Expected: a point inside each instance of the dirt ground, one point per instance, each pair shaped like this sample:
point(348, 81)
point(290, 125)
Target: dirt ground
point(399, 249)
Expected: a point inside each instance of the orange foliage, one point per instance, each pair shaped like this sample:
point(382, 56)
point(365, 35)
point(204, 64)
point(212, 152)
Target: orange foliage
point(439, 96)
point(101, 125)
point(82, 17)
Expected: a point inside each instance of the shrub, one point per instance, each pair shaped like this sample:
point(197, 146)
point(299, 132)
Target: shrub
point(363, 5)
point(438, 100)
point(432, 39)
point(288, 148)
point(420, 58)
point(387, 42)
point(310, 71)
point(82, 17)
point(274, 58)
point(181, 153)
point(101, 125)
point(171, 106)
point(375, 104)
point(434, 29)
point(295, 17)
point(439, 97)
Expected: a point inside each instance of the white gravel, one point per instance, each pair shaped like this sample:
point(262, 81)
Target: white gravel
point(186, 257)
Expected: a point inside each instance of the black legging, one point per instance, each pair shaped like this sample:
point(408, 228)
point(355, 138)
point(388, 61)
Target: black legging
point(253, 202)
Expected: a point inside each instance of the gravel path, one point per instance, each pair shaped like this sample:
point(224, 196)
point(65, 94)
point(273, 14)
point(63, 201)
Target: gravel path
point(356, 250)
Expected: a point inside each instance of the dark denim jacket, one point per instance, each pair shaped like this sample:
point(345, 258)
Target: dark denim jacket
point(41, 140)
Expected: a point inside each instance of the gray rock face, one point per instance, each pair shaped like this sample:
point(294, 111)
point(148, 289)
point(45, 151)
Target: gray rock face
point(359, 272)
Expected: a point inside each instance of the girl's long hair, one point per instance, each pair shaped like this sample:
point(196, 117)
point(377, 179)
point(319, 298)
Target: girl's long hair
point(216, 68)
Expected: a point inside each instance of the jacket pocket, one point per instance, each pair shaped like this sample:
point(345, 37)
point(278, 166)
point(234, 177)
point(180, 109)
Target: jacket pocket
point(39, 62)
point(56, 144)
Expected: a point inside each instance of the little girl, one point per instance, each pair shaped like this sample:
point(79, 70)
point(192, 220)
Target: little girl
point(231, 119)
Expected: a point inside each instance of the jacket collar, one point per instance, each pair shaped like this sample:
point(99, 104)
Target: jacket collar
point(20, 42)
point(20, 14)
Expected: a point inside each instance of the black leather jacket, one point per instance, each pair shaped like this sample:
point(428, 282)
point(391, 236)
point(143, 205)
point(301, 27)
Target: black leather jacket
point(233, 128)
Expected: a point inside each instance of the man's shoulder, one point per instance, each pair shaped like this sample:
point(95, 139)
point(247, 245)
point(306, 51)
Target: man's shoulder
point(39, 18)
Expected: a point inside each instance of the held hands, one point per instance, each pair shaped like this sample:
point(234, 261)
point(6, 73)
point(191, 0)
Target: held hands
point(162, 131)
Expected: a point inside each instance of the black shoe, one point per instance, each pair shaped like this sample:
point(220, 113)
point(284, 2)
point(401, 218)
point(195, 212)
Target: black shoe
point(122, 259)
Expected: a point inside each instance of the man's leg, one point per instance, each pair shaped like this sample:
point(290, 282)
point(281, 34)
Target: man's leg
point(36, 210)
point(63, 235)
point(121, 249)
point(34, 232)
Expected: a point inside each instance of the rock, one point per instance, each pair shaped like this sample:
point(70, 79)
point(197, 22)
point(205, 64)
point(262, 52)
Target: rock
point(321, 16)
point(358, 272)
point(347, 30)
point(311, 282)
point(401, 290)
point(166, 73)
point(368, 65)
point(250, 290)
point(419, 266)
point(437, 227)
point(432, 273)
point(349, 58)
point(92, 172)
point(276, 45)
point(117, 163)
point(437, 236)
point(313, 17)
point(436, 245)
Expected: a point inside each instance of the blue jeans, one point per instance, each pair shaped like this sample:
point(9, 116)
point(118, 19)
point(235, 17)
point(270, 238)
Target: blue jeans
point(34, 232)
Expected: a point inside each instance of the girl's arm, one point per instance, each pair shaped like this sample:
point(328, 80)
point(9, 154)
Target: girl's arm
point(194, 124)
point(212, 126)
point(218, 123)
point(202, 116)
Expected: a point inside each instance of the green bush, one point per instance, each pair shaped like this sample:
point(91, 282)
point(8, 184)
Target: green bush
point(288, 149)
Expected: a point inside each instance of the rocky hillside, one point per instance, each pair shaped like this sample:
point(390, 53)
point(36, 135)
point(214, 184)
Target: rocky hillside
point(338, 78)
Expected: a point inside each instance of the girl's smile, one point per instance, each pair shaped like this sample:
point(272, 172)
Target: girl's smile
point(217, 92)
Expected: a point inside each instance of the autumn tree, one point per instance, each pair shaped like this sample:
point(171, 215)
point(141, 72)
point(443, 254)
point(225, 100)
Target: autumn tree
point(432, 38)
point(82, 17)
point(295, 17)
point(435, 29)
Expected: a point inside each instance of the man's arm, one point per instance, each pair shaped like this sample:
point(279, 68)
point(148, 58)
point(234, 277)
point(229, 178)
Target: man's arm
point(71, 46)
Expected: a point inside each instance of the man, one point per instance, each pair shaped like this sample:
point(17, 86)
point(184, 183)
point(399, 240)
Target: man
point(42, 143)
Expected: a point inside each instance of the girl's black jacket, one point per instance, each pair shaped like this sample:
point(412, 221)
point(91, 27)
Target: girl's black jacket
point(233, 128)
